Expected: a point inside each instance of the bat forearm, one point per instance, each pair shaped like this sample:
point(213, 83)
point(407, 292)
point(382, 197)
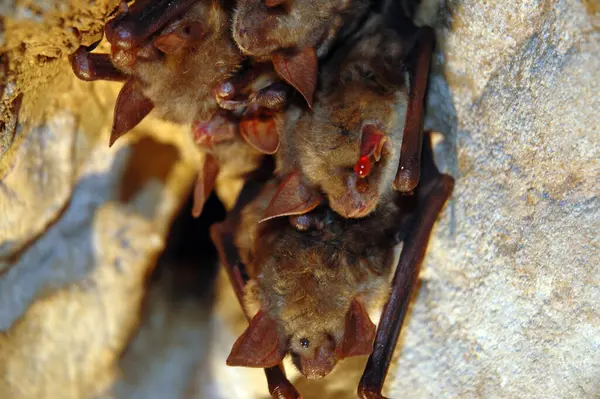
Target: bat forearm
point(409, 169)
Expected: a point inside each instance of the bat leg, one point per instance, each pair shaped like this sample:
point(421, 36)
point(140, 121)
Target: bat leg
point(409, 169)
point(435, 188)
point(90, 67)
point(222, 235)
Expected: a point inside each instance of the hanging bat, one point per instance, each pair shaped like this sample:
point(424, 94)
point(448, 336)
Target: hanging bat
point(171, 55)
point(262, 28)
point(161, 50)
point(310, 278)
point(294, 34)
point(362, 139)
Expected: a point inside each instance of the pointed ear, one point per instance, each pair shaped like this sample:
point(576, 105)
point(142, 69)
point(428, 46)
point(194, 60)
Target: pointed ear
point(131, 107)
point(372, 141)
point(178, 36)
point(292, 198)
point(170, 43)
point(358, 334)
point(260, 133)
point(300, 71)
point(259, 345)
point(205, 183)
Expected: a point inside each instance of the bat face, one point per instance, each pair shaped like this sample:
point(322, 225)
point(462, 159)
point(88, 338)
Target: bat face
point(349, 147)
point(178, 67)
point(312, 277)
point(262, 27)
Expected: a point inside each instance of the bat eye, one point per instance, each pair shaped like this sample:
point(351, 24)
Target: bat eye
point(301, 222)
point(363, 167)
point(192, 31)
point(305, 343)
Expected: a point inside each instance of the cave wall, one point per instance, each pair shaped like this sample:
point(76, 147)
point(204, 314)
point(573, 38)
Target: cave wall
point(508, 304)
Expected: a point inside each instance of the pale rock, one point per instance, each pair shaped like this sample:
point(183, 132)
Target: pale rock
point(509, 296)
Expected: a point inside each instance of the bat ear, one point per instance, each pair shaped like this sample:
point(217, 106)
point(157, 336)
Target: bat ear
point(259, 345)
point(300, 71)
point(205, 183)
point(131, 107)
point(359, 332)
point(260, 133)
point(170, 43)
point(292, 198)
point(372, 141)
point(179, 37)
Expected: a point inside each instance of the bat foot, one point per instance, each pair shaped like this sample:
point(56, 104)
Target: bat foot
point(366, 393)
point(286, 391)
point(408, 175)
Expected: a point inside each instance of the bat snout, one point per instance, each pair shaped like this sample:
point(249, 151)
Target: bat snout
point(320, 365)
point(358, 200)
point(250, 31)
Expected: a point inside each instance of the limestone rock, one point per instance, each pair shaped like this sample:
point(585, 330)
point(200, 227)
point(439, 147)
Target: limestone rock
point(509, 298)
point(81, 225)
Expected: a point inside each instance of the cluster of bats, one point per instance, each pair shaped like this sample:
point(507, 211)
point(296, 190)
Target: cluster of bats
point(319, 103)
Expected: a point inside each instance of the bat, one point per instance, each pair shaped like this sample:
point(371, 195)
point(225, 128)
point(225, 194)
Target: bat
point(225, 155)
point(361, 142)
point(160, 50)
point(279, 385)
point(262, 28)
point(307, 280)
point(294, 34)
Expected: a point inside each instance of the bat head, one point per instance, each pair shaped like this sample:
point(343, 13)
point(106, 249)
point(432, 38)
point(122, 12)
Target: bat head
point(264, 27)
point(169, 62)
point(349, 148)
point(315, 353)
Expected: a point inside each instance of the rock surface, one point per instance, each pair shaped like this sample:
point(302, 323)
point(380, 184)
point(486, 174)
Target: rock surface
point(509, 298)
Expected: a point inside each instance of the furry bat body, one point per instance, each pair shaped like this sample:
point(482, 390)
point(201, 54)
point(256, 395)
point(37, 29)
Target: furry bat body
point(294, 34)
point(313, 275)
point(172, 68)
point(262, 28)
point(172, 55)
point(349, 146)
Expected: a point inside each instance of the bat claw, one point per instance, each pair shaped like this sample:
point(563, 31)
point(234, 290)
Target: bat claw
point(285, 392)
point(365, 393)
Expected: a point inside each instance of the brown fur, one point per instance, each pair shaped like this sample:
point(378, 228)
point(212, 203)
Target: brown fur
point(261, 31)
point(181, 84)
point(307, 280)
point(364, 83)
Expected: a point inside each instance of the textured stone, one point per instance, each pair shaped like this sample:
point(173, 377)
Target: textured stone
point(509, 296)
point(509, 304)
point(81, 225)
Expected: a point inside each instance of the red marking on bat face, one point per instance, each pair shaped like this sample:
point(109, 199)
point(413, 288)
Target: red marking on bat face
point(363, 167)
point(371, 140)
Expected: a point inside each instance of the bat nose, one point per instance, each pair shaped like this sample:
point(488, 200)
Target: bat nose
point(321, 364)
